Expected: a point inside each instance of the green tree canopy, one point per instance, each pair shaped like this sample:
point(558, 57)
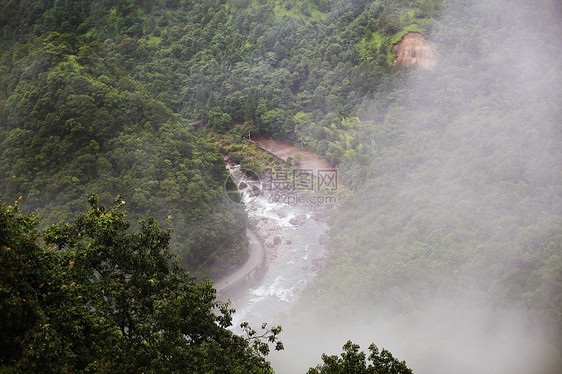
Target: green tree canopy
point(98, 298)
point(354, 362)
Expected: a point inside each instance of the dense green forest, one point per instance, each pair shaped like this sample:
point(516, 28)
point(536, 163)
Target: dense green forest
point(454, 173)
point(90, 296)
point(96, 96)
point(457, 170)
point(286, 68)
point(74, 122)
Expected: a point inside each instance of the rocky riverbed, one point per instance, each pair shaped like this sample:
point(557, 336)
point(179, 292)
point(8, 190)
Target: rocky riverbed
point(293, 236)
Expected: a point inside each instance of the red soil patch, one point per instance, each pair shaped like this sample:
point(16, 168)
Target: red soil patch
point(414, 49)
point(310, 160)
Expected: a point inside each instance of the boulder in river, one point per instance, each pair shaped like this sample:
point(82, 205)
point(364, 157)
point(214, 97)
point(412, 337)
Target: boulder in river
point(255, 191)
point(261, 231)
point(273, 228)
point(298, 220)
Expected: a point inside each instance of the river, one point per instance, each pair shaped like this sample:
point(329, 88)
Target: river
point(291, 236)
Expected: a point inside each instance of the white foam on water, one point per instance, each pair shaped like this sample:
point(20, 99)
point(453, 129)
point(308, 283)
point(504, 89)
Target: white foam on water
point(278, 289)
point(278, 212)
point(289, 273)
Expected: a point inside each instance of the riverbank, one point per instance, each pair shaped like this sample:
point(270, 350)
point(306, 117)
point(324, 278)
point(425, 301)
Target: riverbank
point(278, 216)
point(249, 271)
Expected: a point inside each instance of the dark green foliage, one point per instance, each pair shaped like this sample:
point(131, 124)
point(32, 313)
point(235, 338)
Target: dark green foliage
point(24, 268)
point(262, 61)
point(218, 120)
point(100, 299)
point(74, 125)
point(354, 362)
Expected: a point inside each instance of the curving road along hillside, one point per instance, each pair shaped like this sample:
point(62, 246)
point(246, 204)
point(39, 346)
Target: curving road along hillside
point(255, 262)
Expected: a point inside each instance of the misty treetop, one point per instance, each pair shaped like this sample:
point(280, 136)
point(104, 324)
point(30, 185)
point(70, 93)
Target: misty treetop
point(457, 173)
point(354, 362)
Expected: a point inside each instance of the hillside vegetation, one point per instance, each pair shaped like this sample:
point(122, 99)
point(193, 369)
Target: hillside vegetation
point(95, 96)
point(92, 296)
point(454, 172)
point(74, 122)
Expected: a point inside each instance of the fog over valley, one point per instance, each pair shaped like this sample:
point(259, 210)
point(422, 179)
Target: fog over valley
point(241, 186)
point(458, 197)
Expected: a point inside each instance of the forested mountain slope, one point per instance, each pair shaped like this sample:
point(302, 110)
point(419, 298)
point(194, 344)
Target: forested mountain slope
point(457, 209)
point(73, 122)
point(89, 87)
point(454, 172)
point(259, 62)
point(459, 176)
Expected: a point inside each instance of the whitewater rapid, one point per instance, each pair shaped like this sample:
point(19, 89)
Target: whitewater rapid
point(298, 255)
